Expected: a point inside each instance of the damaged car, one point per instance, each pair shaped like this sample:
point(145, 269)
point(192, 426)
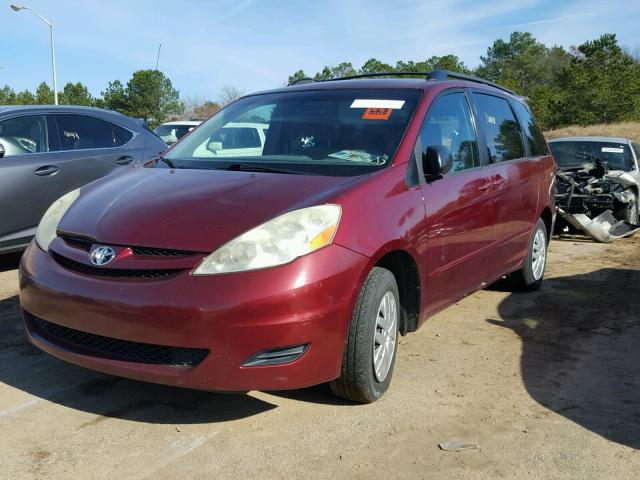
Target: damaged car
point(597, 186)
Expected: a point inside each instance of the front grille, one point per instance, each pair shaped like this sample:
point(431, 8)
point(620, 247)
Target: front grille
point(116, 349)
point(85, 244)
point(114, 272)
point(160, 252)
point(78, 242)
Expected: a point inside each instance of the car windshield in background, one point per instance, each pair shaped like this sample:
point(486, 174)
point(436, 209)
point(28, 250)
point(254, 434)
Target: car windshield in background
point(331, 132)
point(574, 154)
point(172, 133)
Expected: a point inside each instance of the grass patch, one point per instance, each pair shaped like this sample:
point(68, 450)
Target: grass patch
point(625, 129)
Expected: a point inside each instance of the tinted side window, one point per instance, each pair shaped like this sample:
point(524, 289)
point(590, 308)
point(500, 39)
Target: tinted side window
point(448, 123)
point(533, 135)
point(23, 135)
point(636, 147)
point(501, 128)
point(81, 132)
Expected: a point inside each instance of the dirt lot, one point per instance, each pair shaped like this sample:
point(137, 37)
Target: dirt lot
point(547, 384)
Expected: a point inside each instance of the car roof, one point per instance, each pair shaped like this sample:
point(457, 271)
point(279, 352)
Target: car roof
point(111, 115)
point(387, 83)
point(590, 139)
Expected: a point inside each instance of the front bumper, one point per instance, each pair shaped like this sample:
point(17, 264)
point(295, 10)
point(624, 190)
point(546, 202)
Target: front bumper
point(233, 316)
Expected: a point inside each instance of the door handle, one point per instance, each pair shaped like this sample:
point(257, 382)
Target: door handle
point(46, 170)
point(126, 160)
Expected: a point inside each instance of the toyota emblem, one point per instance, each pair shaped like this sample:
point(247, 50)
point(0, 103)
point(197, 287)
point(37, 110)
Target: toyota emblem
point(101, 256)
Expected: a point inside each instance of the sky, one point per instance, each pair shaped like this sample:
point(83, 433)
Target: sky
point(256, 44)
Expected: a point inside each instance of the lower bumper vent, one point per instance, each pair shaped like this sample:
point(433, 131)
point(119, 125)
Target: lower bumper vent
point(114, 348)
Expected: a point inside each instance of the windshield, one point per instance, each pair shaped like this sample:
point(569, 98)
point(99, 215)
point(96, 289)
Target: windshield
point(573, 154)
point(332, 132)
point(172, 133)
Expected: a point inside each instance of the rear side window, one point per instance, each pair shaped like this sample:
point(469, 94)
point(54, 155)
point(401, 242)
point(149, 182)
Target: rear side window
point(448, 123)
point(81, 132)
point(502, 131)
point(532, 132)
point(24, 135)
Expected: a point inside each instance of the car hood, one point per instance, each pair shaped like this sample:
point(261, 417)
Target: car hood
point(195, 210)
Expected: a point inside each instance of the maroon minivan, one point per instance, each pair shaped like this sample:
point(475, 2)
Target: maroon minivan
point(292, 237)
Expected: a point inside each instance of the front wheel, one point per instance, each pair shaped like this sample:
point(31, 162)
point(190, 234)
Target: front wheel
point(530, 276)
point(631, 212)
point(370, 350)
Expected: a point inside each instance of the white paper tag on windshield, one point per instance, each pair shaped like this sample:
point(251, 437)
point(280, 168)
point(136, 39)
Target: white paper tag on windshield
point(371, 103)
point(612, 150)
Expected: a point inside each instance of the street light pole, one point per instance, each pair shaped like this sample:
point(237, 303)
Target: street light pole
point(17, 8)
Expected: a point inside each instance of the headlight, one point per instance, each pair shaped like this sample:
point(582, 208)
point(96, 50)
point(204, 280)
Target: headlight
point(275, 242)
point(48, 225)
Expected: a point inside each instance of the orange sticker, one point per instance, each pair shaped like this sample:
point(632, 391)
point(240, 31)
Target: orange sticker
point(377, 113)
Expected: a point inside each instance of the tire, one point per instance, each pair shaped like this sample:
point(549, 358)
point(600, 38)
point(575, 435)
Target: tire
point(530, 276)
point(631, 212)
point(371, 324)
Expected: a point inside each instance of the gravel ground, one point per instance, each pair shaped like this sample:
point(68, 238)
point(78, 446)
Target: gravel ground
point(546, 385)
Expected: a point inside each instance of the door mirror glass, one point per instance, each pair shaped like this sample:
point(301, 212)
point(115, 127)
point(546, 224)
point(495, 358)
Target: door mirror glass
point(436, 161)
point(1, 150)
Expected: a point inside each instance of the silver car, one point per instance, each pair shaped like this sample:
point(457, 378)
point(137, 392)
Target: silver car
point(47, 151)
point(598, 185)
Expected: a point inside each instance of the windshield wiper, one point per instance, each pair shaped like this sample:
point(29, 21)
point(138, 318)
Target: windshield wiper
point(168, 162)
point(250, 167)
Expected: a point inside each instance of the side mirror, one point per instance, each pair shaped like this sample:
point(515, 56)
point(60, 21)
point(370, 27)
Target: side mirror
point(436, 161)
point(2, 151)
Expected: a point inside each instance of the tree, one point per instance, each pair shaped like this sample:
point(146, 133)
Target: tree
point(25, 98)
point(205, 110)
point(528, 67)
point(447, 62)
point(7, 96)
point(115, 97)
point(522, 62)
point(299, 75)
point(76, 94)
point(344, 69)
point(229, 94)
point(375, 66)
point(601, 85)
point(44, 95)
point(150, 95)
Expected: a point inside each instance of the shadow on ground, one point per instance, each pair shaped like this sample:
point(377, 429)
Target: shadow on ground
point(26, 368)
point(581, 349)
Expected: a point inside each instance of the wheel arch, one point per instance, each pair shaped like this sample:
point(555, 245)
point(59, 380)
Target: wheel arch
point(401, 262)
point(547, 217)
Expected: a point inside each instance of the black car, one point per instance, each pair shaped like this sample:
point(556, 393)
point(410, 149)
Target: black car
point(47, 151)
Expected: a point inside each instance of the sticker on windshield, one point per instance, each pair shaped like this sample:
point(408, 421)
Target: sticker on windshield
point(372, 103)
point(377, 114)
point(359, 156)
point(612, 150)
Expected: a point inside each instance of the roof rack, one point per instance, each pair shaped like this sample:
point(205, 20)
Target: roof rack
point(432, 75)
point(299, 81)
point(446, 74)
